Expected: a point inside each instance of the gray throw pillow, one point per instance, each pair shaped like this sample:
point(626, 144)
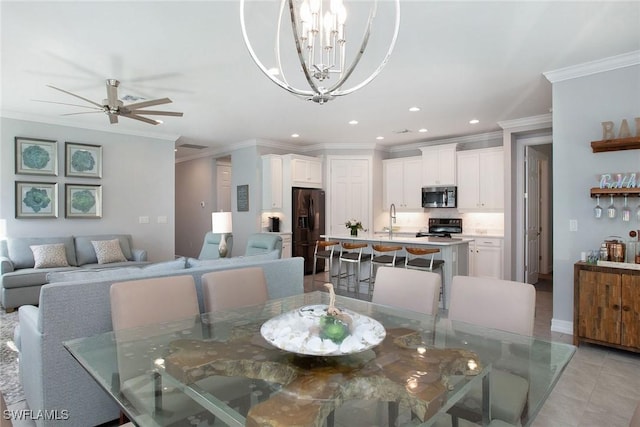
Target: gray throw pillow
point(108, 251)
point(48, 256)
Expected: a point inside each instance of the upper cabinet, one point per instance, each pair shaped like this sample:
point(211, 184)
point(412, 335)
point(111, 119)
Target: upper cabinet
point(271, 182)
point(481, 179)
point(402, 179)
point(439, 165)
point(305, 171)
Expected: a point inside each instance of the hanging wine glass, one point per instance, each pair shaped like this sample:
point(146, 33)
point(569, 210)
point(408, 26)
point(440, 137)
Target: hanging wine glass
point(626, 211)
point(597, 211)
point(611, 209)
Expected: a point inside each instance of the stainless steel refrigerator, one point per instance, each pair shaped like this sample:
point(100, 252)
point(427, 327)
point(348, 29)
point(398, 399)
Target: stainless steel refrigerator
point(308, 224)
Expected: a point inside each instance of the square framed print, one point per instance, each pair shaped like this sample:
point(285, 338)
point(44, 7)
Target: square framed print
point(83, 160)
point(36, 156)
point(83, 201)
point(36, 199)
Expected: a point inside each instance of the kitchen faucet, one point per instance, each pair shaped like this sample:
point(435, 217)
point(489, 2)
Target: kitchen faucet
point(392, 219)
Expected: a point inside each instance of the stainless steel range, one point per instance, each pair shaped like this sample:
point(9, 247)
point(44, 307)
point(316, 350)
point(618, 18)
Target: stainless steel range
point(442, 227)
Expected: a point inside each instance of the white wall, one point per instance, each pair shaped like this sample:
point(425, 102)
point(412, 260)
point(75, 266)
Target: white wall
point(579, 106)
point(138, 180)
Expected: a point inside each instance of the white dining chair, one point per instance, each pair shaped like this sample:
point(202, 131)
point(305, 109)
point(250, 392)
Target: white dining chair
point(504, 305)
point(409, 289)
point(143, 302)
point(235, 288)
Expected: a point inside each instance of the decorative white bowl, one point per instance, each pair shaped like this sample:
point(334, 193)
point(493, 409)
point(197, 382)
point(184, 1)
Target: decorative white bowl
point(298, 331)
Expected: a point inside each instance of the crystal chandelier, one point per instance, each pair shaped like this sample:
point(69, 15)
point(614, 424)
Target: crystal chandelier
point(318, 28)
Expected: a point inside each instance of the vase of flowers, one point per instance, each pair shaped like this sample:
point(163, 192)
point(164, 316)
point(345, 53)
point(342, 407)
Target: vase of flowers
point(354, 225)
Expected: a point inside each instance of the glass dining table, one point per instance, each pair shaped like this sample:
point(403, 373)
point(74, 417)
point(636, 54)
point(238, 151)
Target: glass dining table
point(262, 366)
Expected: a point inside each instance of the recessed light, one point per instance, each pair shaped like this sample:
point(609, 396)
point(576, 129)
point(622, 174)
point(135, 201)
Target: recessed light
point(423, 130)
point(379, 137)
point(273, 71)
point(414, 109)
point(353, 122)
point(294, 135)
point(474, 121)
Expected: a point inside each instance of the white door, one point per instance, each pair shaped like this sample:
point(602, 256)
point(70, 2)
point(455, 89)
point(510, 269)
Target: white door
point(349, 194)
point(223, 200)
point(532, 215)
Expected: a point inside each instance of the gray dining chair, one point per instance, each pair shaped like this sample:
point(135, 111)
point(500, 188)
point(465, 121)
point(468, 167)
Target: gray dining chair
point(240, 287)
point(498, 304)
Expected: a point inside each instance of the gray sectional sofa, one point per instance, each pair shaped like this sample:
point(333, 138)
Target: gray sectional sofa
point(20, 281)
point(53, 380)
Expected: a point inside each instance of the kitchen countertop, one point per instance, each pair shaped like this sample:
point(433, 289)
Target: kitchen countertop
point(402, 239)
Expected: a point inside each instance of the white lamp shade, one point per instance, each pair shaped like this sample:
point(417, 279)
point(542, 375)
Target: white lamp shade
point(221, 222)
point(3, 228)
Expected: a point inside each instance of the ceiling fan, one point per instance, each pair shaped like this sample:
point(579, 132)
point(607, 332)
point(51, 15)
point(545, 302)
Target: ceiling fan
point(114, 107)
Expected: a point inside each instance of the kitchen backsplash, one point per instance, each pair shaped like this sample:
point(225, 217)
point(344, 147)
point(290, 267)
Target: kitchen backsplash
point(473, 223)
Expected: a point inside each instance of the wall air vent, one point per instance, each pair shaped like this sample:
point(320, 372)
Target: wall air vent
point(402, 131)
point(193, 146)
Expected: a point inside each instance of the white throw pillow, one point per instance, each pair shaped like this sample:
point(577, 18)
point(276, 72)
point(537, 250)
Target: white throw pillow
point(47, 256)
point(108, 251)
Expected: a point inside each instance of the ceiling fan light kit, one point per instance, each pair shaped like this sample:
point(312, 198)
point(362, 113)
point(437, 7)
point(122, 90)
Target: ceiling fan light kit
point(113, 107)
point(319, 28)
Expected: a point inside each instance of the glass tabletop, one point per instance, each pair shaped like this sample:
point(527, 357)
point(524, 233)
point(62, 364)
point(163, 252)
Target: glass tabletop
point(228, 365)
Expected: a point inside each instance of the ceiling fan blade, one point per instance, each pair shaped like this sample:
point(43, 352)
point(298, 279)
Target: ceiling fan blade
point(142, 119)
point(113, 118)
point(77, 96)
point(160, 113)
point(66, 103)
point(149, 103)
point(112, 92)
point(82, 112)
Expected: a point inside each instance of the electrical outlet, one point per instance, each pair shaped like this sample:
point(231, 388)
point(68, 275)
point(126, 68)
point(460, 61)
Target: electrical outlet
point(573, 225)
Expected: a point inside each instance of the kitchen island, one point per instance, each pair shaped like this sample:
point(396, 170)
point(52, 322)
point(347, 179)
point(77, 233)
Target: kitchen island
point(453, 251)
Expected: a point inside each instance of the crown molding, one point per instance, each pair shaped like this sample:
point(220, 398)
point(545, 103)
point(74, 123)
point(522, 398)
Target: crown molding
point(479, 137)
point(598, 66)
point(67, 123)
point(535, 122)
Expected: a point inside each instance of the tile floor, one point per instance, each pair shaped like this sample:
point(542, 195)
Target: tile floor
point(599, 387)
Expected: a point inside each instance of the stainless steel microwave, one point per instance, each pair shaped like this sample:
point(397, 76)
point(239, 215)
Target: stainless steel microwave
point(439, 197)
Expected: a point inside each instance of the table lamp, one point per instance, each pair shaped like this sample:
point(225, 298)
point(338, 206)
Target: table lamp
point(3, 228)
point(221, 223)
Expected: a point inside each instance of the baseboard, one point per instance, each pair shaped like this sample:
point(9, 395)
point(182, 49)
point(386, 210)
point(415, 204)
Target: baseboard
point(562, 326)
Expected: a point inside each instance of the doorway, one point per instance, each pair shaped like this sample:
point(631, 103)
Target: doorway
point(534, 225)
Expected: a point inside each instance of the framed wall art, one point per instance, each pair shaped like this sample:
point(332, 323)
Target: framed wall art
point(243, 198)
point(83, 201)
point(83, 160)
point(36, 199)
point(36, 156)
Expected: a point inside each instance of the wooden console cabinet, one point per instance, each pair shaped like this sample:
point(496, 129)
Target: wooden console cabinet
point(606, 306)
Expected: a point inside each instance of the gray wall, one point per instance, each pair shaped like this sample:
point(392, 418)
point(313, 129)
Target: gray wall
point(138, 180)
point(195, 186)
point(579, 106)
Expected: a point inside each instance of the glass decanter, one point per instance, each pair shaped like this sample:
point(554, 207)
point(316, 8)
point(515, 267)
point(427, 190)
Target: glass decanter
point(597, 211)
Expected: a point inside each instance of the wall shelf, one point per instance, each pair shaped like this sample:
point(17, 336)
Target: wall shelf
point(596, 191)
point(631, 143)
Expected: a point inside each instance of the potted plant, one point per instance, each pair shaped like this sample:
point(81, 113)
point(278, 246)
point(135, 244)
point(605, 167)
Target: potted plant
point(354, 225)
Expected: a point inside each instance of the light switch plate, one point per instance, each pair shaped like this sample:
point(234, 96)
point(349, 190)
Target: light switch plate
point(573, 225)
point(143, 220)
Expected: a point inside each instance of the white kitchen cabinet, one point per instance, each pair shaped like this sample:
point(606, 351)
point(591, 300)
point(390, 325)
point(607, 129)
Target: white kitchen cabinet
point(305, 171)
point(272, 182)
point(286, 244)
point(439, 165)
point(481, 179)
point(402, 180)
point(485, 257)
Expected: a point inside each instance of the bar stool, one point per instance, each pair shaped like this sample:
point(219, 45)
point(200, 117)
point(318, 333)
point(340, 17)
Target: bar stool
point(383, 255)
point(419, 259)
point(356, 257)
point(324, 250)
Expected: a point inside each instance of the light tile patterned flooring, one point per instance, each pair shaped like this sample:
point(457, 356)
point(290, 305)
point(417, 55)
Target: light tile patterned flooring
point(600, 386)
